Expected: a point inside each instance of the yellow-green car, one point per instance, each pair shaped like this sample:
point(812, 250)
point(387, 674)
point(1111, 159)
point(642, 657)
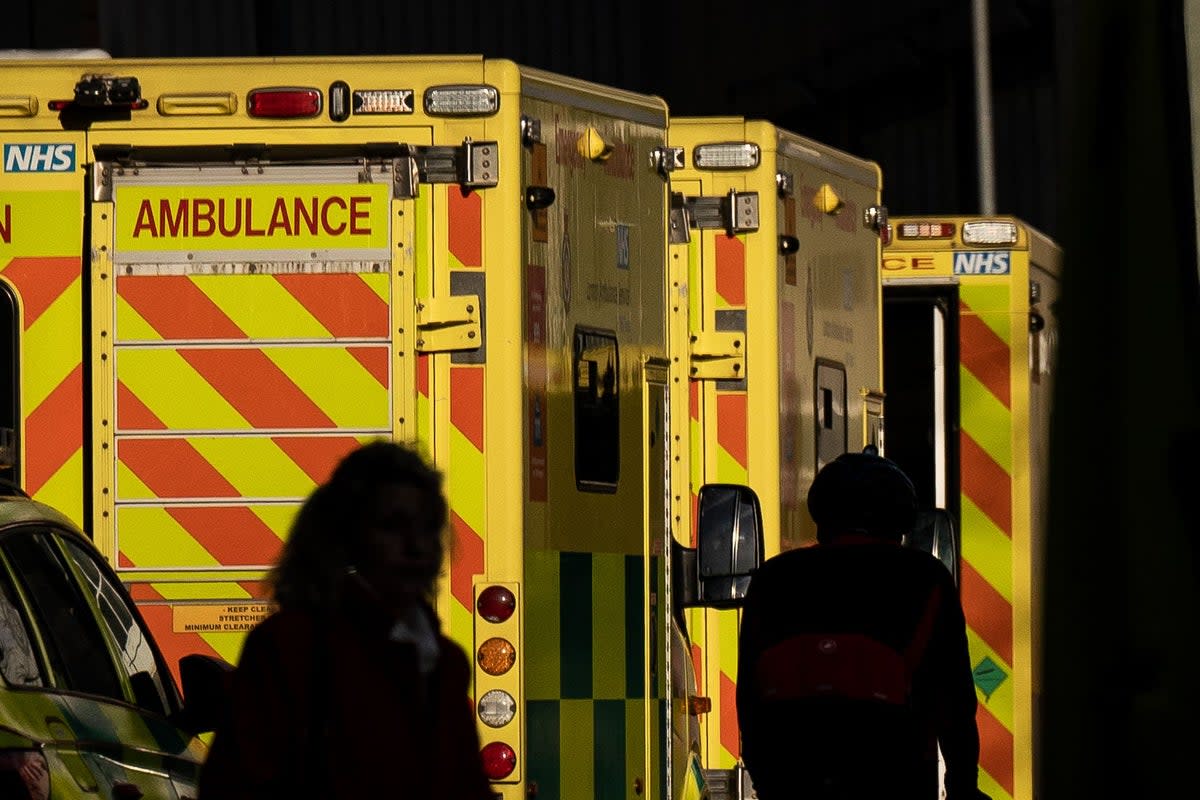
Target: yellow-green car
point(88, 706)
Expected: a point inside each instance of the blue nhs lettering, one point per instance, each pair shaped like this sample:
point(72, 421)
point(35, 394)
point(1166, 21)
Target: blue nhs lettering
point(39, 158)
point(981, 263)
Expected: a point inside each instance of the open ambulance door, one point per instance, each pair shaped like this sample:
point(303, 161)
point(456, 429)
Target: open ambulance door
point(920, 335)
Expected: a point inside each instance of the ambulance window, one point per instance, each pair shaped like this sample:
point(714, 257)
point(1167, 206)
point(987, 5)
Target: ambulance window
point(830, 408)
point(597, 433)
point(79, 657)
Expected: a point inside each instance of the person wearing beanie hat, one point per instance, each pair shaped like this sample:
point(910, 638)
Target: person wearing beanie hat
point(852, 656)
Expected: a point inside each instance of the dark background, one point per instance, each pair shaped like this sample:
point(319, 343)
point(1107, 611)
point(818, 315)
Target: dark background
point(888, 81)
point(1093, 146)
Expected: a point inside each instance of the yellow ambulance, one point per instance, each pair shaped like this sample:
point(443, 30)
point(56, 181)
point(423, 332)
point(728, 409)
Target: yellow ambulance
point(775, 284)
point(969, 339)
point(219, 276)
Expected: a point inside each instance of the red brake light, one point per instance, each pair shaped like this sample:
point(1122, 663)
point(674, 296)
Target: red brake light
point(499, 760)
point(283, 103)
point(496, 604)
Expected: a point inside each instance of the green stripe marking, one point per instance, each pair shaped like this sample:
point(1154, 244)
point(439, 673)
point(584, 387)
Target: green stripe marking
point(575, 624)
point(541, 717)
point(609, 727)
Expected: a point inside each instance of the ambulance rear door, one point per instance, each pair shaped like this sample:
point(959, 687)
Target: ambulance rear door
point(250, 312)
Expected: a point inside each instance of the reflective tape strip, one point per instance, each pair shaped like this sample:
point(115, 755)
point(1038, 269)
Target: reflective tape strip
point(985, 447)
point(238, 307)
point(49, 292)
point(730, 253)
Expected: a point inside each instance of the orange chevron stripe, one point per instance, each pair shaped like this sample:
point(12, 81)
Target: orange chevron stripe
point(343, 303)
point(259, 390)
point(256, 588)
point(254, 543)
point(995, 748)
point(173, 468)
point(988, 613)
point(466, 560)
point(375, 360)
point(133, 414)
point(731, 269)
point(423, 374)
point(731, 425)
point(175, 307)
point(465, 212)
point(697, 662)
point(40, 281)
point(984, 353)
point(730, 737)
point(316, 455)
point(987, 483)
point(466, 403)
point(54, 431)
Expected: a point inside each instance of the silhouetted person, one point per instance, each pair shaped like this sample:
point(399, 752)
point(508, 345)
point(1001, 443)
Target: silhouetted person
point(852, 658)
point(349, 690)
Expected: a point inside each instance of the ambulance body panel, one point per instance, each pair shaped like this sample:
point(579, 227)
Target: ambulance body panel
point(785, 368)
point(969, 341)
point(220, 278)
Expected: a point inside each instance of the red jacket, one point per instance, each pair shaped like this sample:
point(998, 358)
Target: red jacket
point(333, 708)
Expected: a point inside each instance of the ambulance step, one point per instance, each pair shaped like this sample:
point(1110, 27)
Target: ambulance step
point(729, 784)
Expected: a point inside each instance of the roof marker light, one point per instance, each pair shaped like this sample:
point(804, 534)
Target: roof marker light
point(989, 232)
point(462, 100)
point(726, 155)
point(926, 230)
point(283, 102)
point(383, 101)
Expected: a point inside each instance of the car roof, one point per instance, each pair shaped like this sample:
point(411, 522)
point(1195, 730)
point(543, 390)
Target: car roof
point(16, 508)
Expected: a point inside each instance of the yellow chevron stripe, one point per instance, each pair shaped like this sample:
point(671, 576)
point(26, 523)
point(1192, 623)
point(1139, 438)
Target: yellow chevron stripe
point(991, 788)
point(988, 298)
point(337, 383)
point(254, 465)
point(986, 419)
point(728, 468)
point(380, 283)
point(151, 536)
point(42, 375)
point(1001, 703)
point(64, 489)
point(132, 326)
point(727, 632)
point(276, 517)
point(260, 306)
point(159, 377)
point(463, 482)
point(988, 549)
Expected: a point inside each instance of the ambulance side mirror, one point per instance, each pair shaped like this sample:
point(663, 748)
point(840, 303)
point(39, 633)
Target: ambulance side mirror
point(729, 543)
point(934, 532)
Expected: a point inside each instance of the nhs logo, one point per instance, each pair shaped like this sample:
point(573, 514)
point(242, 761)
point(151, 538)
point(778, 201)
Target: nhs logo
point(996, 263)
point(39, 158)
